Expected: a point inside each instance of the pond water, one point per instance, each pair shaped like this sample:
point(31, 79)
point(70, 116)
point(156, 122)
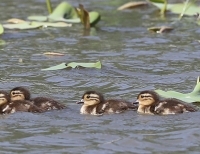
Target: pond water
point(133, 60)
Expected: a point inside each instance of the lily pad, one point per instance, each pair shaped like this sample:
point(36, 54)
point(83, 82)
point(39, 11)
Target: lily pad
point(177, 8)
point(194, 96)
point(74, 65)
point(1, 29)
point(34, 25)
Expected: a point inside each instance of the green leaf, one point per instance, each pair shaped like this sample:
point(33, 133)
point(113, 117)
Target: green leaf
point(38, 18)
point(34, 25)
point(194, 96)
point(74, 65)
point(1, 29)
point(178, 8)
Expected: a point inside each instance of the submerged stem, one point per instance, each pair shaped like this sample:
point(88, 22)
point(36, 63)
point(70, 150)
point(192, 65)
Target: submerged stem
point(163, 10)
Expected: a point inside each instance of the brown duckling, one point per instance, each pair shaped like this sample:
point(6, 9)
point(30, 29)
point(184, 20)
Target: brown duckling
point(6, 106)
point(150, 103)
point(21, 93)
point(95, 104)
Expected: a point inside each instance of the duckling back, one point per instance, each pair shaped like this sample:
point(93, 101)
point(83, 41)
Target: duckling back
point(21, 106)
point(47, 103)
point(116, 106)
point(173, 106)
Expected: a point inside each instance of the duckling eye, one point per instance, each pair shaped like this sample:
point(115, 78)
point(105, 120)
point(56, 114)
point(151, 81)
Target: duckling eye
point(142, 96)
point(88, 96)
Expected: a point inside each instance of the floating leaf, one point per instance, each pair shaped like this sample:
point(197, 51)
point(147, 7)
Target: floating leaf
point(161, 29)
point(25, 25)
point(57, 67)
point(178, 8)
point(38, 18)
point(74, 65)
point(53, 54)
point(55, 24)
point(15, 21)
point(194, 96)
point(131, 5)
point(34, 24)
point(66, 13)
point(1, 29)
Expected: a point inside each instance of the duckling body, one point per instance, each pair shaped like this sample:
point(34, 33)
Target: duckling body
point(7, 106)
point(95, 104)
point(150, 103)
point(47, 103)
point(44, 103)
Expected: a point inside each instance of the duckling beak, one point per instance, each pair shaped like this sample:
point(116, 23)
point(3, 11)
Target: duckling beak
point(136, 102)
point(80, 102)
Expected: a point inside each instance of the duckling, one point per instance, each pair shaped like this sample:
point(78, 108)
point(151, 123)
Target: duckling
point(95, 104)
point(150, 103)
point(4, 100)
point(21, 93)
point(6, 106)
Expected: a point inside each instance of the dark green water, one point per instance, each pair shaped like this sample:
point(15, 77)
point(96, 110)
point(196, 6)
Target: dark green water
point(133, 60)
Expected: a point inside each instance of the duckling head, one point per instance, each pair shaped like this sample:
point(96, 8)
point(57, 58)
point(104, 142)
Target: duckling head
point(4, 97)
point(147, 98)
point(91, 98)
point(19, 93)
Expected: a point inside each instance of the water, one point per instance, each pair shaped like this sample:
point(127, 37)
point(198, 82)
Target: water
point(133, 60)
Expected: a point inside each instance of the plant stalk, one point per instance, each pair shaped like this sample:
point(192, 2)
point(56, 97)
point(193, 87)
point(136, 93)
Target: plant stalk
point(49, 7)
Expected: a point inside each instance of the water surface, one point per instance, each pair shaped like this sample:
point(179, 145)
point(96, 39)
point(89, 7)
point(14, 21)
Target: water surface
point(133, 60)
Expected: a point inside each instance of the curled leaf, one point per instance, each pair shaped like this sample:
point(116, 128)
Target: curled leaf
point(15, 21)
point(25, 25)
point(53, 54)
point(131, 5)
point(161, 29)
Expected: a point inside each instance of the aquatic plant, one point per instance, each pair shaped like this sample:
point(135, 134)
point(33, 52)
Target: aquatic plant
point(191, 97)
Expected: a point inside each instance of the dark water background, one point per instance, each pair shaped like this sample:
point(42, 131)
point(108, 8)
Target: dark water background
point(133, 60)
